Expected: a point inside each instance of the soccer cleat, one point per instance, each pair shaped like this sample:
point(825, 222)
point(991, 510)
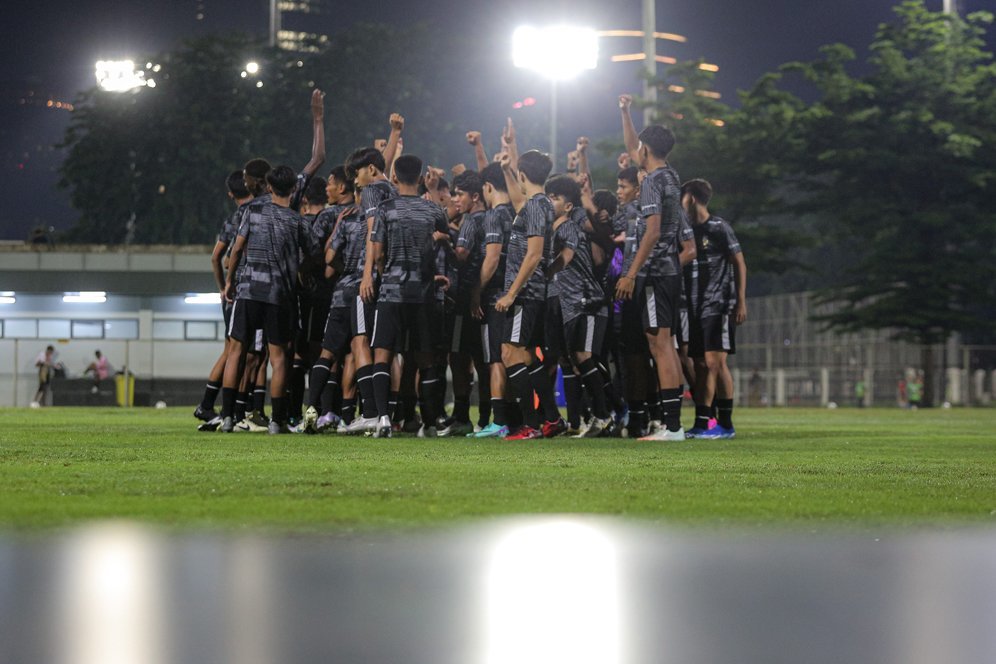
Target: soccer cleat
point(597, 428)
point(411, 426)
point(205, 415)
point(554, 428)
point(664, 434)
point(210, 425)
point(492, 431)
point(525, 433)
point(427, 432)
point(361, 424)
point(327, 422)
point(725, 433)
point(384, 428)
point(454, 428)
point(309, 423)
point(275, 427)
point(342, 428)
point(697, 432)
point(253, 424)
point(227, 426)
point(654, 426)
point(299, 428)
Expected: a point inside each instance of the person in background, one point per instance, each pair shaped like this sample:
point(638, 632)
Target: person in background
point(46, 363)
point(100, 368)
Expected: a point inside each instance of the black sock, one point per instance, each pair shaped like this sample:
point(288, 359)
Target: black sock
point(637, 415)
point(671, 408)
point(461, 408)
point(228, 396)
point(408, 404)
point(522, 388)
point(279, 409)
point(724, 408)
point(432, 385)
point(382, 388)
point(393, 406)
point(540, 379)
point(210, 394)
point(259, 399)
point(498, 408)
point(241, 403)
point(513, 414)
point(572, 395)
point(483, 402)
point(712, 410)
point(317, 382)
point(364, 381)
point(702, 416)
point(612, 398)
point(348, 411)
point(332, 395)
point(298, 371)
point(592, 377)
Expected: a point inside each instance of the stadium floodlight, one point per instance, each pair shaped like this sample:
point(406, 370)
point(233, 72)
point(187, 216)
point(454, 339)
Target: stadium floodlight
point(203, 298)
point(252, 68)
point(85, 297)
point(120, 75)
point(557, 52)
point(7, 297)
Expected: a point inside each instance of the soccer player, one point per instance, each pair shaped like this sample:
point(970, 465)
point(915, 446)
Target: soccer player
point(366, 166)
point(525, 294)
point(497, 228)
point(582, 301)
point(345, 250)
point(402, 236)
point(660, 206)
point(272, 237)
point(465, 345)
point(717, 304)
point(241, 196)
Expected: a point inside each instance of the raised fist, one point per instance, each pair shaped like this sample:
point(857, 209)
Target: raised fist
point(582, 145)
point(397, 122)
point(625, 101)
point(474, 138)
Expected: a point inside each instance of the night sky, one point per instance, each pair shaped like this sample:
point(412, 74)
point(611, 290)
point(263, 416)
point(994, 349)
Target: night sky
point(50, 47)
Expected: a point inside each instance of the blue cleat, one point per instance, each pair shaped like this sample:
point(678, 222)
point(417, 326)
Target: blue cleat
point(697, 432)
point(717, 433)
point(491, 431)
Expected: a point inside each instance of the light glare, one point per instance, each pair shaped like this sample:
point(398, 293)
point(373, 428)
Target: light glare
point(7, 297)
point(119, 75)
point(85, 297)
point(557, 52)
point(203, 298)
point(252, 67)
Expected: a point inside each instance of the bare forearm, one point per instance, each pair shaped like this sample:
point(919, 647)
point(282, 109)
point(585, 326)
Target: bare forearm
point(630, 136)
point(489, 266)
point(481, 156)
point(515, 194)
point(317, 147)
point(643, 252)
point(392, 148)
point(529, 264)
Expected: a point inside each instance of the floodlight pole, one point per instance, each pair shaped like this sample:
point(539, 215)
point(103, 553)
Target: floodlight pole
point(951, 7)
point(274, 22)
point(650, 58)
point(553, 122)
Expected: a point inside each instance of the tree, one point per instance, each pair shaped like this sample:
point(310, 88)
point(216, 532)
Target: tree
point(902, 156)
point(150, 167)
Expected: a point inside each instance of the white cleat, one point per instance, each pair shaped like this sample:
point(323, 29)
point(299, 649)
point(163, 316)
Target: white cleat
point(310, 422)
point(383, 429)
point(362, 425)
point(664, 434)
point(596, 427)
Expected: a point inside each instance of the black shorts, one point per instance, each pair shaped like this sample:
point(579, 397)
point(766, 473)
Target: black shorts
point(312, 316)
point(554, 347)
point(254, 321)
point(681, 330)
point(361, 317)
point(404, 326)
point(585, 334)
point(524, 324)
point(466, 334)
point(660, 298)
point(713, 334)
point(491, 334)
point(632, 336)
point(337, 332)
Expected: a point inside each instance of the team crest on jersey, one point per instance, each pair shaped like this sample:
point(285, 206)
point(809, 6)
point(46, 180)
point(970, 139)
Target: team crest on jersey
point(705, 243)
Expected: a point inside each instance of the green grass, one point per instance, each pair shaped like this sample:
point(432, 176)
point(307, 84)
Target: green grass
point(792, 468)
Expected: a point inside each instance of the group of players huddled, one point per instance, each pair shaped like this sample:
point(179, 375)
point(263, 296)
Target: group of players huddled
point(373, 282)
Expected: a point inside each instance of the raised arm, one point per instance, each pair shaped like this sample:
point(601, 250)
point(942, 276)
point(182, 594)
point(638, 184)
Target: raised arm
point(512, 182)
point(629, 131)
point(474, 138)
point(508, 143)
point(391, 151)
point(582, 150)
point(318, 133)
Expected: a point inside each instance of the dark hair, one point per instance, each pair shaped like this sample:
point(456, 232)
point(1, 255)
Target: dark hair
point(237, 185)
point(316, 193)
point(630, 174)
point(606, 200)
point(470, 182)
point(536, 166)
point(493, 175)
point(658, 139)
point(282, 180)
point(408, 168)
point(700, 190)
point(339, 175)
point(257, 168)
point(443, 184)
point(564, 186)
point(361, 158)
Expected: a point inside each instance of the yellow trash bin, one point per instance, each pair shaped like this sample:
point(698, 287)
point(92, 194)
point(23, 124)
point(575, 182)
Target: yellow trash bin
point(124, 398)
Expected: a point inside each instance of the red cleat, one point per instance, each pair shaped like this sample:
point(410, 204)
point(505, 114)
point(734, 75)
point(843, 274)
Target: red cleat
point(524, 433)
point(554, 428)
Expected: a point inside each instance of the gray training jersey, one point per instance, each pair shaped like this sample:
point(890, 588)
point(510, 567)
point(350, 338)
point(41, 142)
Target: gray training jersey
point(660, 194)
point(405, 225)
point(580, 293)
point(349, 242)
point(535, 219)
point(472, 238)
point(497, 229)
point(713, 292)
point(275, 238)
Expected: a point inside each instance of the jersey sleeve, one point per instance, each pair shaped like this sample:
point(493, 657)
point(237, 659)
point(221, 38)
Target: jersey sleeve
point(370, 198)
point(568, 234)
point(466, 237)
point(535, 219)
point(685, 232)
point(379, 232)
point(651, 195)
point(732, 243)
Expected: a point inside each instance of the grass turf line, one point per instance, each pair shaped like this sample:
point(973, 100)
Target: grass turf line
point(788, 467)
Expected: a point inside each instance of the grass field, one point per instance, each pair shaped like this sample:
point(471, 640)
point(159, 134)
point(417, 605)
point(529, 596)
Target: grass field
point(787, 468)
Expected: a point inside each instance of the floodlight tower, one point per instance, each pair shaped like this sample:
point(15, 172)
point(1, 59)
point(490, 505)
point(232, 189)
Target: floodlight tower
point(558, 53)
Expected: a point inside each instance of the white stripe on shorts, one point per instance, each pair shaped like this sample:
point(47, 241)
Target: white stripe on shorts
point(231, 318)
point(725, 322)
point(486, 343)
point(361, 321)
point(651, 306)
point(516, 324)
point(589, 337)
point(373, 335)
